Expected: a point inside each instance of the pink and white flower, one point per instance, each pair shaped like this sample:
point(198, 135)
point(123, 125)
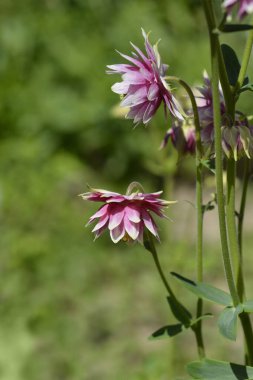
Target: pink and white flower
point(237, 139)
point(245, 7)
point(143, 85)
point(126, 216)
point(182, 135)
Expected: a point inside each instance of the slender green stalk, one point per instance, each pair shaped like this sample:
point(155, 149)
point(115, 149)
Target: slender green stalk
point(230, 208)
point(231, 226)
point(160, 271)
point(215, 46)
point(199, 198)
point(245, 61)
point(246, 177)
point(151, 248)
point(248, 335)
point(218, 153)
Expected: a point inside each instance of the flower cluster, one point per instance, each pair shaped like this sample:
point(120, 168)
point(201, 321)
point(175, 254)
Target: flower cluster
point(143, 85)
point(245, 7)
point(126, 216)
point(182, 136)
point(237, 137)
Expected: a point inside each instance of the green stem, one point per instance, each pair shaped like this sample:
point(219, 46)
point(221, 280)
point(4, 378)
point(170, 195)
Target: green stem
point(240, 283)
point(160, 271)
point(151, 248)
point(218, 155)
point(199, 198)
point(230, 208)
point(246, 177)
point(245, 61)
point(215, 46)
point(248, 334)
point(228, 95)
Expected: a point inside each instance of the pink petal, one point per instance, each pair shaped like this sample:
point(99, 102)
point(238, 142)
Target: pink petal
point(120, 88)
point(131, 228)
point(132, 213)
point(116, 216)
point(102, 222)
point(118, 233)
point(153, 91)
point(149, 223)
point(101, 212)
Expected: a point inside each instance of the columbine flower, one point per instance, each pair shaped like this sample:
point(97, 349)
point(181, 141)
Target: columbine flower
point(143, 86)
point(126, 216)
point(182, 136)
point(245, 6)
point(237, 140)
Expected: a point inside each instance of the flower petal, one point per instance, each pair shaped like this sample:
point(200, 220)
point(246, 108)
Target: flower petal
point(149, 223)
point(102, 222)
point(116, 216)
point(133, 213)
point(118, 233)
point(131, 228)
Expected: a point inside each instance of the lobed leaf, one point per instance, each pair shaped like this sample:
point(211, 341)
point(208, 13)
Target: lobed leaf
point(167, 331)
point(230, 28)
point(232, 63)
point(205, 291)
point(227, 321)
point(208, 369)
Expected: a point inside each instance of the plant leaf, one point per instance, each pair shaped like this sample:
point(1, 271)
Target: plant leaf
point(167, 331)
point(208, 369)
point(204, 316)
point(229, 28)
point(248, 306)
point(179, 311)
point(247, 87)
point(227, 321)
point(206, 291)
point(232, 63)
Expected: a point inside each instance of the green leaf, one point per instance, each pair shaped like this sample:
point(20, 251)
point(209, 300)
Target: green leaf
point(204, 316)
point(206, 291)
point(208, 369)
point(179, 311)
point(167, 331)
point(232, 63)
point(247, 87)
point(209, 164)
point(229, 28)
point(248, 306)
point(227, 321)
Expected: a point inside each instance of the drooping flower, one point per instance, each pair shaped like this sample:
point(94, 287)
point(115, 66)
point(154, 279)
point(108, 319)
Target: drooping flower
point(126, 216)
point(237, 140)
point(245, 7)
point(237, 137)
point(143, 85)
point(182, 136)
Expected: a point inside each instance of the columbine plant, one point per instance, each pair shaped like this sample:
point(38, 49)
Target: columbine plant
point(214, 130)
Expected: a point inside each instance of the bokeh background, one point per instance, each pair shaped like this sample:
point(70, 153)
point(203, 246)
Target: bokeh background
point(72, 309)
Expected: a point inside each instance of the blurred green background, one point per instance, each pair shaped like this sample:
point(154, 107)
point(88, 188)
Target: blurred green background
point(71, 308)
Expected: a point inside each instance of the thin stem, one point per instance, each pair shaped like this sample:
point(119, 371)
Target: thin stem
point(218, 155)
point(248, 334)
point(228, 95)
point(199, 198)
point(230, 208)
point(246, 176)
point(160, 271)
point(245, 61)
point(151, 248)
point(215, 46)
